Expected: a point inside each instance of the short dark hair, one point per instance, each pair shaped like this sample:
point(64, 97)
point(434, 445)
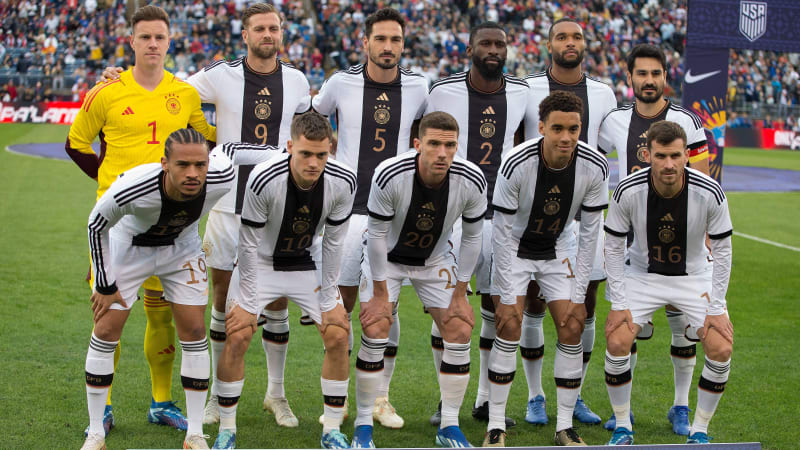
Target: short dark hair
point(563, 19)
point(665, 132)
point(383, 15)
point(183, 136)
point(563, 101)
point(259, 8)
point(147, 13)
point(311, 125)
point(489, 25)
point(438, 120)
point(646, 51)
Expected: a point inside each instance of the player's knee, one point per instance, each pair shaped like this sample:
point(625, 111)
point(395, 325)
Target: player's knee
point(378, 330)
point(335, 339)
point(104, 331)
point(239, 341)
point(618, 345)
point(457, 331)
point(719, 351)
point(194, 332)
point(570, 333)
point(509, 323)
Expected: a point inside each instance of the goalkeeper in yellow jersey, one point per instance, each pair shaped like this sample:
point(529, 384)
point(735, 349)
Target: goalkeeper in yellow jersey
point(133, 117)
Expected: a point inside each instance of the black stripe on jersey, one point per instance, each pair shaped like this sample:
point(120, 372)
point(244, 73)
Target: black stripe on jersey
point(469, 173)
point(614, 232)
point(514, 80)
point(423, 224)
point(594, 208)
point(390, 172)
point(636, 142)
point(96, 247)
point(707, 184)
point(487, 119)
point(266, 175)
point(473, 219)
point(381, 111)
point(221, 176)
point(456, 78)
point(510, 212)
point(536, 75)
point(143, 188)
point(335, 223)
point(408, 72)
point(508, 166)
point(340, 172)
point(375, 215)
point(698, 123)
point(666, 231)
point(302, 211)
point(253, 224)
point(175, 216)
point(589, 155)
point(236, 62)
point(230, 148)
point(717, 237)
point(638, 178)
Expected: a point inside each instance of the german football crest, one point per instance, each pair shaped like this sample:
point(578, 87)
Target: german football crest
point(487, 128)
point(262, 110)
point(752, 19)
point(172, 104)
point(382, 115)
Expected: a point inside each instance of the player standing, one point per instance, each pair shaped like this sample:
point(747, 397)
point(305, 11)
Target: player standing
point(146, 225)
point(376, 104)
point(567, 45)
point(490, 106)
point(288, 200)
point(414, 201)
point(671, 209)
point(541, 185)
point(625, 130)
point(133, 116)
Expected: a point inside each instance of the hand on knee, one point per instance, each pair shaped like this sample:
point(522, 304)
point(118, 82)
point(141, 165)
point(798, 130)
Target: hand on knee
point(509, 322)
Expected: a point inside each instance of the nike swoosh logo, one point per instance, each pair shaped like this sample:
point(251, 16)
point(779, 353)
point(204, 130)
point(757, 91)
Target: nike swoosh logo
point(689, 78)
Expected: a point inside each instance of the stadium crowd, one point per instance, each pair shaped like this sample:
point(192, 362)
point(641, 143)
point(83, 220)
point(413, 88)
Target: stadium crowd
point(53, 50)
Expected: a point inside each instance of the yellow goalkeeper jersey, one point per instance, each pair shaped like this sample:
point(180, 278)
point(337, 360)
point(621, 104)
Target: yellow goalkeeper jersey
point(133, 123)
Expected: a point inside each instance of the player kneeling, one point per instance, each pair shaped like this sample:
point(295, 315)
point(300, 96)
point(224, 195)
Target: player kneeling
point(287, 202)
point(670, 208)
point(155, 208)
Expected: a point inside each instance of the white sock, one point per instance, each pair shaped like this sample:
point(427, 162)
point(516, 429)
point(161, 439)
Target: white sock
point(531, 347)
point(389, 355)
point(229, 393)
point(453, 381)
point(99, 375)
point(618, 384)
point(369, 371)
point(275, 340)
point(567, 372)
point(195, 369)
point(334, 393)
point(684, 357)
point(502, 367)
point(709, 392)
point(488, 333)
point(216, 331)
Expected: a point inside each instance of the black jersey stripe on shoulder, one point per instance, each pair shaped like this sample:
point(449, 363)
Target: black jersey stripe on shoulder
point(257, 182)
point(508, 166)
point(515, 80)
point(395, 169)
point(457, 78)
point(409, 72)
point(358, 68)
point(471, 169)
point(590, 155)
point(230, 148)
point(221, 176)
point(708, 185)
point(271, 177)
point(621, 108)
point(593, 78)
point(635, 179)
point(698, 123)
point(143, 188)
point(471, 176)
point(287, 64)
point(543, 73)
point(340, 172)
point(212, 65)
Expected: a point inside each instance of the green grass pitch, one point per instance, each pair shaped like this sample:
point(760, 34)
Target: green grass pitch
point(44, 205)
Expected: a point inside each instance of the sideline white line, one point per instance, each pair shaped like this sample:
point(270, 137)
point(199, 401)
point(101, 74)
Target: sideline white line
point(766, 241)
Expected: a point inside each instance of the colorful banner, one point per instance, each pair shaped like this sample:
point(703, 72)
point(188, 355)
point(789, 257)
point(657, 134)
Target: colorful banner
point(766, 138)
point(704, 87)
point(762, 25)
point(43, 112)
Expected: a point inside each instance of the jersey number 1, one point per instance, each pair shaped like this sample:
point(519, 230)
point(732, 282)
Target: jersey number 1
point(154, 140)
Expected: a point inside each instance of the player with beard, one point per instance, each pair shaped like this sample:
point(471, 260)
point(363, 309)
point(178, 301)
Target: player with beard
point(376, 105)
point(490, 106)
point(625, 130)
point(256, 98)
point(567, 45)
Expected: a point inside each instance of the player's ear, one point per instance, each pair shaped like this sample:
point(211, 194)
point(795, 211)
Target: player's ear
point(289, 146)
point(164, 163)
point(417, 144)
point(541, 127)
point(646, 155)
point(628, 74)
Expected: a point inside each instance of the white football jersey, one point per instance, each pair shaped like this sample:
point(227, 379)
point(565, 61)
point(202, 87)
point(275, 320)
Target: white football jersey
point(374, 119)
point(544, 201)
point(625, 131)
point(598, 100)
point(251, 107)
point(145, 216)
point(422, 218)
point(669, 234)
point(487, 121)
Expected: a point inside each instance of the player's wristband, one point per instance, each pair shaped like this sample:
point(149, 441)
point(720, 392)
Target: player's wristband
point(107, 290)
